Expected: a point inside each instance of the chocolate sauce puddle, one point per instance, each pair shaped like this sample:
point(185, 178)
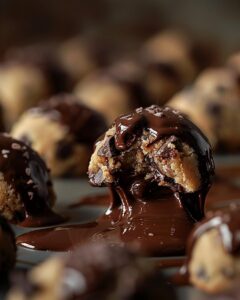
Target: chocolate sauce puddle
point(159, 226)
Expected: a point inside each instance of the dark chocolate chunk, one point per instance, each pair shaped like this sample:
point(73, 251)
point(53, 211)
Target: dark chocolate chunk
point(108, 149)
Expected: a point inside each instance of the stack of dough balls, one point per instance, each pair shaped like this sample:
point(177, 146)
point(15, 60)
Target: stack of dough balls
point(63, 132)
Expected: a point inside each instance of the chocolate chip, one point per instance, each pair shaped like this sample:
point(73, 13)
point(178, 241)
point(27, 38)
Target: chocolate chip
point(221, 89)
point(108, 149)
point(202, 274)
point(214, 109)
point(64, 150)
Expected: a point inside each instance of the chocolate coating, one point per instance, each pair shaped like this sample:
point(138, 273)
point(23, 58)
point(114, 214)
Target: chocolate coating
point(227, 222)
point(161, 123)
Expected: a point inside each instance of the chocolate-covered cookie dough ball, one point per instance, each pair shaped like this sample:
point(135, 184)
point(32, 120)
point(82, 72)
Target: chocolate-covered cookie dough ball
point(63, 132)
point(25, 185)
point(7, 249)
point(95, 271)
point(107, 93)
point(213, 104)
point(213, 252)
point(169, 65)
point(155, 145)
point(21, 87)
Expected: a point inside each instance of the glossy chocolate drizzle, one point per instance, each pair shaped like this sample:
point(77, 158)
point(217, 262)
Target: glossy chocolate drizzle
point(77, 118)
point(26, 173)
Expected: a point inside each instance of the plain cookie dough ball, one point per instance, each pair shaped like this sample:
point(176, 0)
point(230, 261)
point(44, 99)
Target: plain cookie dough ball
point(94, 271)
point(169, 65)
point(213, 252)
point(43, 57)
point(21, 87)
point(213, 104)
point(7, 249)
point(106, 94)
point(79, 57)
point(25, 185)
point(63, 132)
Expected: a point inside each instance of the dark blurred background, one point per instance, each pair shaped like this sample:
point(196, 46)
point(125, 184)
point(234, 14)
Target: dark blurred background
point(29, 21)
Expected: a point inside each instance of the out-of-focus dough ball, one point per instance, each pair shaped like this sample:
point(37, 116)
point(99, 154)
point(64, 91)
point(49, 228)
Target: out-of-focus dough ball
point(106, 94)
point(63, 132)
point(213, 104)
point(79, 56)
point(21, 87)
point(168, 63)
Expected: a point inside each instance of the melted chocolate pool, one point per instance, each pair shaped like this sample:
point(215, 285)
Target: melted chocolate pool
point(157, 227)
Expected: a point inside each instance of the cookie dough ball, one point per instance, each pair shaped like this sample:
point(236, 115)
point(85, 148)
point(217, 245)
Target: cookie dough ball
point(79, 57)
point(25, 185)
point(169, 65)
point(95, 271)
point(213, 252)
point(234, 64)
point(105, 94)
point(7, 249)
point(21, 87)
point(43, 57)
point(218, 82)
point(213, 104)
point(154, 145)
point(63, 132)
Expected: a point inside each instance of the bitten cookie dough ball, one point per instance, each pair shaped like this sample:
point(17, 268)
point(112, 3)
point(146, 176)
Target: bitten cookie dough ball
point(21, 87)
point(25, 186)
point(155, 145)
point(63, 132)
point(95, 271)
point(7, 249)
point(169, 65)
point(213, 252)
point(106, 94)
point(213, 104)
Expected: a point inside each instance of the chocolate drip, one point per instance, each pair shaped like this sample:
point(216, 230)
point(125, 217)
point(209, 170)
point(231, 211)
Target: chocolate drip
point(26, 173)
point(161, 123)
point(151, 226)
point(77, 118)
